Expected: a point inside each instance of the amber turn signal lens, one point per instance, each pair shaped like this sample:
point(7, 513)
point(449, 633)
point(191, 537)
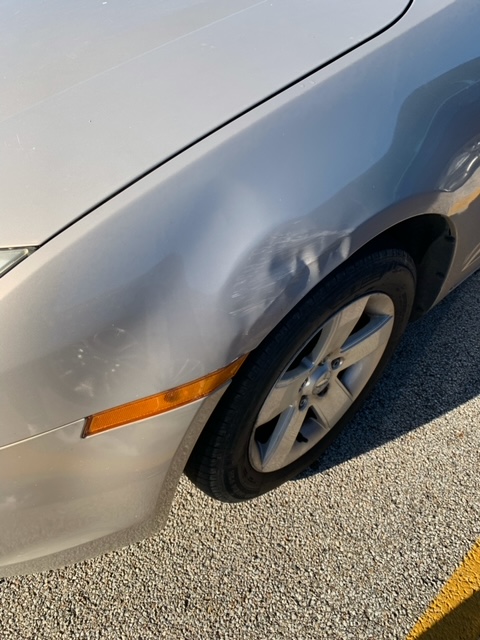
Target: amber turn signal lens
point(165, 401)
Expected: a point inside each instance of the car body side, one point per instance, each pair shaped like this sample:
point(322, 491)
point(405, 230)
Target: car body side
point(192, 266)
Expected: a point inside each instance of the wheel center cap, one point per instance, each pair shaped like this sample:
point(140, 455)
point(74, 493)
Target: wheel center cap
point(322, 379)
point(322, 383)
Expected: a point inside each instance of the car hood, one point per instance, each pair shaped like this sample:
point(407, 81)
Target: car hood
point(94, 94)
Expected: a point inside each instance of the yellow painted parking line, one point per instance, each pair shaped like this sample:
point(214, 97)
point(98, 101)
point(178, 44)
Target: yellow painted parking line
point(455, 613)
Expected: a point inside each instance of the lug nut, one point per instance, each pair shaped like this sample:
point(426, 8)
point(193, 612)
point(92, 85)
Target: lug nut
point(303, 403)
point(337, 363)
point(303, 385)
point(322, 391)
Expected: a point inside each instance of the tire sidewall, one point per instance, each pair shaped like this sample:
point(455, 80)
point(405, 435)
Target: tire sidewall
point(393, 275)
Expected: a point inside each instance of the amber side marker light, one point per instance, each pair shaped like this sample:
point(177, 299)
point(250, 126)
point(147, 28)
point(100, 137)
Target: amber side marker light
point(161, 402)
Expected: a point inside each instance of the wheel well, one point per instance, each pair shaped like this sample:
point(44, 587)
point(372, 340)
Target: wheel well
point(429, 240)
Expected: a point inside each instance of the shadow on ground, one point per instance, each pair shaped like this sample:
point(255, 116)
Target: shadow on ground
point(463, 623)
point(436, 368)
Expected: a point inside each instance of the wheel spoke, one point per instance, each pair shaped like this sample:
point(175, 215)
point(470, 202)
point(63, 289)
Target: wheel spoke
point(336, 331)
point(283, 395)
point(275, 452)
point(308, 400)
point(372, 338)
point(331, 406)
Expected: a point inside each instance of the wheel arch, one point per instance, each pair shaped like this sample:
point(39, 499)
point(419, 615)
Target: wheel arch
point(428, 237)
point(430, 240)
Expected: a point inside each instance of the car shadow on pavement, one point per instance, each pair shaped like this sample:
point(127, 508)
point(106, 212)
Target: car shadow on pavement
point(435, 369)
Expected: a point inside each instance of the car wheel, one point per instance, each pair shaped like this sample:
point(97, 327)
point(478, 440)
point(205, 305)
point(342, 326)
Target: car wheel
point(305, 381)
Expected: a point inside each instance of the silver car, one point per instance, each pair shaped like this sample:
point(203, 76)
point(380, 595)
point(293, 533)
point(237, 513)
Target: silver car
point(217, 219)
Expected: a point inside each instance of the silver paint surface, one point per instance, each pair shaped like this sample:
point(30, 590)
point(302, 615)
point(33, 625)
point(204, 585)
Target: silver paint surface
point(96, 94)
point(61, 492)
point(191, 266)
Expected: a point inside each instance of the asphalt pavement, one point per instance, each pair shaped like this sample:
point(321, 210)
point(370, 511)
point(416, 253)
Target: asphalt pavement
point(355, 548)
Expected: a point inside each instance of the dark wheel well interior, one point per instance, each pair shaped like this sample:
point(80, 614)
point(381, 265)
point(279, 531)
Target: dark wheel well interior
point(428, 239)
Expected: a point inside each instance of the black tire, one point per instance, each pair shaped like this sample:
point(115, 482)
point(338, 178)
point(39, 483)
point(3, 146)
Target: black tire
point(221, 463)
